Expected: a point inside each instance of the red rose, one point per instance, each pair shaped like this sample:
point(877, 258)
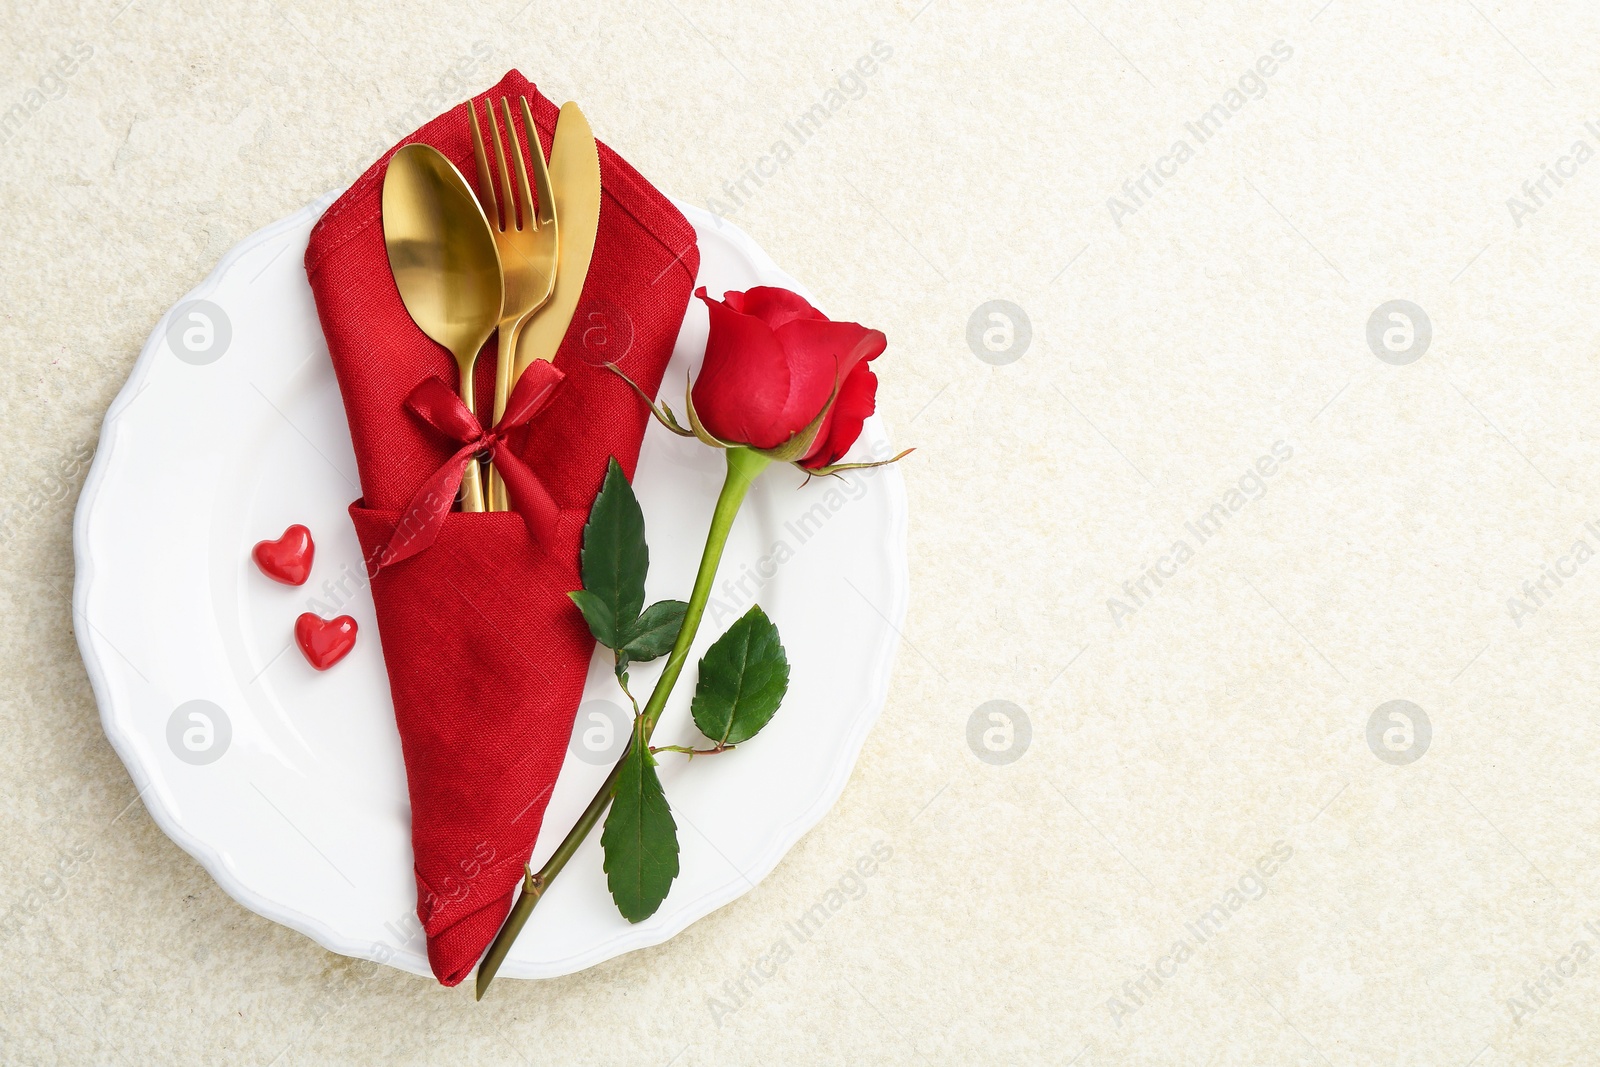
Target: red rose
point(772, 361)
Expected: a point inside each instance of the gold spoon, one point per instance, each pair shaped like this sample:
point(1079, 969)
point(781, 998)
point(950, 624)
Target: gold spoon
point(445, 264)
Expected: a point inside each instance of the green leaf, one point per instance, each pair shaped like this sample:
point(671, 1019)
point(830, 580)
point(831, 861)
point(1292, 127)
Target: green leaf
point(597, 613)
point(615, 558)
point(653, 635)
point(743, 677)
point(640, 839)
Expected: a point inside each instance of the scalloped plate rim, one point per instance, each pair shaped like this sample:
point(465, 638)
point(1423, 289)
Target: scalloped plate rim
point(627, 940)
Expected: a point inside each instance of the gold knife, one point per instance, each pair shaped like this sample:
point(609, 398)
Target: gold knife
point(575, 175)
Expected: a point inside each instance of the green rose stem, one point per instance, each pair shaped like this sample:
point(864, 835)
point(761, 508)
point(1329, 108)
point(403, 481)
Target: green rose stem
point(743, 466)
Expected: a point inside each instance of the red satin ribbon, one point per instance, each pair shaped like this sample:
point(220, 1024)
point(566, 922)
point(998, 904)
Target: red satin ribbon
point(437, 404)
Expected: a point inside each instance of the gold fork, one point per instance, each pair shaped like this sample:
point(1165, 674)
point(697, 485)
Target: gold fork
point(528, 243)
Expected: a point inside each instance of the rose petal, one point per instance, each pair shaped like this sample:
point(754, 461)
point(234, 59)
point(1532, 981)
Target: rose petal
point(821, 354)
point(857, 399)
point(744, 380)
point(773, 306)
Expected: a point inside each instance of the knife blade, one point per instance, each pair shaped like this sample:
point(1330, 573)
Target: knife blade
point(575, 176)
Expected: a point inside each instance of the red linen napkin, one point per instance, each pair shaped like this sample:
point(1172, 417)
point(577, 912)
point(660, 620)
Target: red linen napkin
point(486, 656)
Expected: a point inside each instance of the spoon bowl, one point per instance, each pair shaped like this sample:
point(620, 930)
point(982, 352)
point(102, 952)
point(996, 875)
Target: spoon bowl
point(446, 266)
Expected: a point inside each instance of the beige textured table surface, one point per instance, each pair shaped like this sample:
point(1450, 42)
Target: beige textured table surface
point(1215, 847)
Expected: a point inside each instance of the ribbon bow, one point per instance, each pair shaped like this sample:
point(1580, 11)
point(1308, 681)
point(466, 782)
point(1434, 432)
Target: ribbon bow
point(437, 404)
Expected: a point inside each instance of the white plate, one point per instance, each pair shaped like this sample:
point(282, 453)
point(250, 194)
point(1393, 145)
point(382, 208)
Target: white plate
point(301, 813)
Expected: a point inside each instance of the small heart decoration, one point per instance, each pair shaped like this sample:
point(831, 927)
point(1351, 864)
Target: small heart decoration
point(324, 641)
point(288, 559)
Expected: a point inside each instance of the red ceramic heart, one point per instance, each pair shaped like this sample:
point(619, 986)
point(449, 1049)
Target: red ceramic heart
point(324, 641)
point(288, 559)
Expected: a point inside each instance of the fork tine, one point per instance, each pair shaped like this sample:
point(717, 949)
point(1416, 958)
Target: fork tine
point(485, 179)
point(525, 204)
point(541, 173)
point(505, 175)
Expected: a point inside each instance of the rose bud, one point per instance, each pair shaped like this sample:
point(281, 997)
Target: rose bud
point(782, 379)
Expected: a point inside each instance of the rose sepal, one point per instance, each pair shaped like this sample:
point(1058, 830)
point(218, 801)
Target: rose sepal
point(795, 448)
point(697, 427)
point(835, 468)
point(659, 409)
point(791, 451)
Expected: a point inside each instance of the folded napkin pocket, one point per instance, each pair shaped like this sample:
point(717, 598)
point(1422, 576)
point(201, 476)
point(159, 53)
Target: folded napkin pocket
point(478, 635)
point(485, 653)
